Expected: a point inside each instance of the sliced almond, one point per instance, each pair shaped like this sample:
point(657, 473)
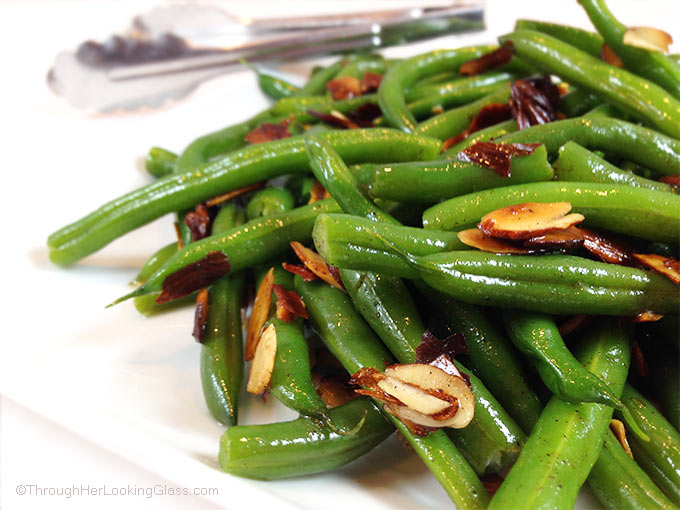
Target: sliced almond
point(477, 239)
point(316, 264)
point(531, 219)
point(258, 317)
point(289, 304)
point(263, 362)
point(647, 316)
point(619, 430)
point(606, 248)
point(673, 180)
point(666, 266)
point(334, 390)
point(318, 192)
point(607, 54)
point(344, 87)
point(648, 38)
point(568, 238)
point(413, 396)
point(201, 315)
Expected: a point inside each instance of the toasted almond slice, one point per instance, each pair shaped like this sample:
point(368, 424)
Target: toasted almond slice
point(412, 396)
point(263, 362)
point(531, 219)
point(316, 264)
point(201, 315)
point(344, 87)
point(560, 239)
point(334, 390)
point(478, 239)
point(647, 316)
point(607, 248)
point(318, 192)
point(648, 38)
point(619, 431)
point(607, 54)
point(666, 266)
point(263, 300)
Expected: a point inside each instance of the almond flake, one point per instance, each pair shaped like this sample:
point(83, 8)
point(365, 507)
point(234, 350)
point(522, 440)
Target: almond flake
point(178, 233)
point(607, 54)
point(289, 305)
point(531, 219)
point(491, 60)
point(370, 82)
point(619, 430)
point(198, 222)
point(193, 277)
point(305, 273)
point(258, 316)
point(568, 238)
point(477, 239)
point(334, 390)
point(262, 367)
point(666, 266)
point(344, 88)
point(318, 192)
point(647, 316)
point(268, 132)
point(673, 180)
point(316, 264)
point(201, 315)
point(606, 248)
point(648, 38)
point(534, 101)
point(496, 156)
point(490, 115)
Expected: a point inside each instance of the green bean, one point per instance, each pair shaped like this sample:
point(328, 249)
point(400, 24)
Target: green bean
point(566, 441)
point(240, 168)
point(270, 201)
point(275, 87)
point(154, 262)
point(404, 74)
point(461, 83)
point(584, 40)
point(620, 484)
point(358, 68)
point(340, 326)
point(660, 456)
point(636, 143)
point(641, 98)
point(160, 162)
point(492, 355)
point(644, 213)
point(453, 122)
point(483, 135)
point(298, 107)
point(439, 180)
point(303, 446)
point(653, 65)
point(317, 83)
point(578, 164)
point(577, 102)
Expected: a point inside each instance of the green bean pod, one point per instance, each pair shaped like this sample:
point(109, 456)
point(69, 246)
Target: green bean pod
point(483, 135)
point(578, 102)
point(160, 162)
point(644, 146)
point(653, 65)
point(493, 357)
point(457, 85)
point(453, 122)
point(275, 87)
point(302, 446)
point(620, 484)
point(538, 338)
point(665, 377)
point(350, 339)
point(430, 182)
point(641, 98)
point(270, 201)
point(584, 40)
point(660, 456)
point(643, 213)
point(240, 168)
point(578, 164)
point(567, 439)
point(403, 75)
point(298, 107)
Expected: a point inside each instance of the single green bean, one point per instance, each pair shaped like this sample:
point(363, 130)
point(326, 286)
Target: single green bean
point(418, 92)
point(299, 107)
point(584, 40)
point(270, 201)
point(577, 102)
point(160, 162)
point(435, 103)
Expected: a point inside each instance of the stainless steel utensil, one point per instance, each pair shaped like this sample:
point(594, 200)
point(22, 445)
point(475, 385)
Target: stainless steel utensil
point(157, 61)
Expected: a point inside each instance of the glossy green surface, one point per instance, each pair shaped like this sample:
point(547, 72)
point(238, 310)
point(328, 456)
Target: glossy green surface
point(483, 135)
point(638, 212)
point(578, 164)
point(430, 182)
point(453, 122)
point(567, 439)
point(270, 201)
point(660, 456)
point(160, 162)
point(350, 339)
point(632, 94)
point(538, 338)
point(404, 74)
point(154, 262)
point(240, 168)
point(298, 106)
point(621, 484)
point(653, 65)
point(584, 40)
point(303, 446)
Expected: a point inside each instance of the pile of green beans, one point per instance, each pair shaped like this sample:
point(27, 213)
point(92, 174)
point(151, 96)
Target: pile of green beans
point(383, 206)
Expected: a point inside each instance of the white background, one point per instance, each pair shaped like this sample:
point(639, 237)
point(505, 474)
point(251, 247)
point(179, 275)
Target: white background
point(105, 397)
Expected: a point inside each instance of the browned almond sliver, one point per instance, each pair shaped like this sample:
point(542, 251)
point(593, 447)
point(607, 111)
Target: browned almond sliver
point(638, 361)
point(673, 180)
point(289, 305)
point(194, 276)
point(305, 273)
point(534, 101)
point(666, 266)
point(431, 347)
point(263, 362)
point(491, 60)
point(201, 315)
point(607, 54)
point(647, 316)
point(619, 430)
point(198, 222)
point(607, 248)
point(334, 118)
point(490, 115)
point(496, 156)
point(370, 82)
point(648, 38)
point(531, 219)
point(318, 192)
point(258, 317)
point(220, 199)
point(568, 238)
point(268, 132)
point(178, 234)
point(317, 265)
point(334, 390)
point(344, 88)
point(477, 239)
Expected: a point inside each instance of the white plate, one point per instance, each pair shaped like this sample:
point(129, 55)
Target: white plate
point(125, 382)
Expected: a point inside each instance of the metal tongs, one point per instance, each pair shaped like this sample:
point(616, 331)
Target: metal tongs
point(164, 55)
